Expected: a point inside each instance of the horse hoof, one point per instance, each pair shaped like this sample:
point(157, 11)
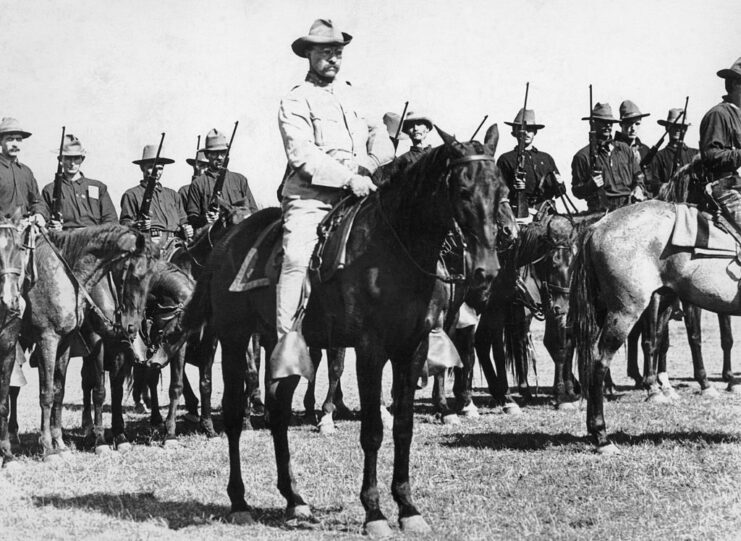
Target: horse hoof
point(102, 449)
point(387, 419)
point(471, 411)
point(240, 518)
point(671, 393)
point(53, 458)
point(710, 392)
point(12, 466)
point(414, 524)
point(326, 426)
point(247, 425)
point(511, 408)
point(451, 419)
point(123, 447)
point(192, 418)
point(299, 512)
point(566, 406)
point(734, 387)
point(171, 443)
point(378, 529)
point(658, 398)
point(608, 450)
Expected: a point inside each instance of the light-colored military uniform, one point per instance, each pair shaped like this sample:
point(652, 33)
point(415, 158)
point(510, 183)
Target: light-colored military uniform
point(327, 140)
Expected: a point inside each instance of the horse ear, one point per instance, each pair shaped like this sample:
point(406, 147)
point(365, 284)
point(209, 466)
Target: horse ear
point(449, 140)
point(491, 140)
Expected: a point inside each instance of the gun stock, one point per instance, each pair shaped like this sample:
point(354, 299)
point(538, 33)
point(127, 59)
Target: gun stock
point(680, 143)
point(594, 152)
point(214, 202)
point(520, 173)
point(395, 138)
point(56, 198)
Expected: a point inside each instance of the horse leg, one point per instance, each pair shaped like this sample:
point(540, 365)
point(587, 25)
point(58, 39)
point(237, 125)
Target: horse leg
point(13, 421)
point(310, 396)
point(370, 360)
point(139, 390)
point(7, 360)
point(120, 367)
point(96, 373)
point(331, 407)
point(191, 357)
point(660, 311)
point(726, 343)
point(488, 338)
point(692, 323)
point(557, 343)
point(410, 519)
point(177, 369)
point(252, 383)
point(258, 408)
point(152, 379)
point(87, 382)
point(46, 347)
point(463, 383)
point(632, 353)
point(516, 332)
point(205, 371)
point(60, 378)
point(440, 399)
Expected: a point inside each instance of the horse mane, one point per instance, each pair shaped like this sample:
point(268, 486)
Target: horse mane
point(170, 280)
point(676, 189)
point(74, 244)
point(412, 181)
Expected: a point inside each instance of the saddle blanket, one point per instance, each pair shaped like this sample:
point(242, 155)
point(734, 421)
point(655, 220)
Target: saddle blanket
point(694, 229)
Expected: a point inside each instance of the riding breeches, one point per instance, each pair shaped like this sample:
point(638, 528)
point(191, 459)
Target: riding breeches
point(726, 193)
point(301, 217)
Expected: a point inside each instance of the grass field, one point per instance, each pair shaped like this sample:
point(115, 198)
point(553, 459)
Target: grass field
point(531, 476)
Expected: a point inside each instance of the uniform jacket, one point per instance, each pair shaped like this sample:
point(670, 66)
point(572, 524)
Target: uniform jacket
point(720, 139)
point(637, 146)
point(540, 182)
point(18, 188)
point(327, 138)
point(166, 212)
point(85, 202)
point(661, 166)
point(620, 170)
point(235, 189)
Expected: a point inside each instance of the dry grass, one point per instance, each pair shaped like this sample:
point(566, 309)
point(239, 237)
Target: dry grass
point(498, 477)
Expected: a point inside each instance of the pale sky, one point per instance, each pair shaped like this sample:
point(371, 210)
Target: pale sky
point(117, 74)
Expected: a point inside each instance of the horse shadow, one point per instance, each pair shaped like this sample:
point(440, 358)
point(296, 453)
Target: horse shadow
point(145, 506)
point(538, 441)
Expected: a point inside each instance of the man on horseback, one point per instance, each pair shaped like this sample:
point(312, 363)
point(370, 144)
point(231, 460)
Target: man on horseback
point(84, 201)
point(417, 127)
point(18, 186)
point(331, 147)
point(676, 150)
point(167, 214)
point(235, 189)
point(199, 165)
point(630, 120)
point(720, 148)
point(612, 178)
point(540, 178)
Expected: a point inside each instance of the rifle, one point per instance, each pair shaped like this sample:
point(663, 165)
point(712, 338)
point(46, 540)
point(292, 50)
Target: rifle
point(395, 138)
point(678, 151)
point(477, 129)
point(213, 204)
point(56, 198)
point(195, 159)
point(593, 152)
point(649, 157)
point(522, 203)
point(151, 185)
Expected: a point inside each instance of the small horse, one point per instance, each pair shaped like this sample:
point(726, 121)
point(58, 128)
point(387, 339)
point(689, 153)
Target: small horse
point(377, 304)
point(68, 265)
point(13, 261)
point(624, 260)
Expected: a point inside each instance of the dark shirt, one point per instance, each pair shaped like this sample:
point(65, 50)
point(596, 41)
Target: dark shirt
point(85, 202)
point(183, 193)
point(166, 212)
point(638, 148)
point(540, 174)
point(620, 171)
point(18, 188)
point(410, 157)
point(720, 139)
point(235, 189)
point(661, 166)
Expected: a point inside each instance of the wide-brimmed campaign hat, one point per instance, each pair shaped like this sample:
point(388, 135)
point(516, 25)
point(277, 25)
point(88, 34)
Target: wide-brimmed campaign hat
point(734, 72)
point(529, 120)
point(603, 112)
point(215, 140)
point(673, 118)
point(415, 118)
point(322, 32)
point(10, 125)
point(200, 158)
point(391, 120)
point(630, 111)
point(149, 154)
point(72, 146)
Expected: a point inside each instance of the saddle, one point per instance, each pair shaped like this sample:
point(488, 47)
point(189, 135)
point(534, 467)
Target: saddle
point(330, 252)
point(261, 267)
point(701, 233)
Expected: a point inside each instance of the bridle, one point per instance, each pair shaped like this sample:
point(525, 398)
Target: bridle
point(453, 278)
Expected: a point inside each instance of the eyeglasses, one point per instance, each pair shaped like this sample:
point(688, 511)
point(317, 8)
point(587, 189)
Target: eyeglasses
point(329, 52)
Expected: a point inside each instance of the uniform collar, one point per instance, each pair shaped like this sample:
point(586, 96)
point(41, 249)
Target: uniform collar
point(619, 136)
point(78, 180)
point(532, 149)
point(7, 161)
point(157, 187)
point(314, 79)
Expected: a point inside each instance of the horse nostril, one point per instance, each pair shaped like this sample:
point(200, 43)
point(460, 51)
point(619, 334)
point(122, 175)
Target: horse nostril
point(506, 231)
point(131, 329)
point(479, 276)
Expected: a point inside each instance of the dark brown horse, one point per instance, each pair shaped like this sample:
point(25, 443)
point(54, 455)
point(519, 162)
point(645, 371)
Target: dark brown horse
point(13, 260)
point(377, 304)
point(69, 264)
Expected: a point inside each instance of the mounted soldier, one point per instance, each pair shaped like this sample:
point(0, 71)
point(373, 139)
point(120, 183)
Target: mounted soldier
point(539, 177)
point(331, 146)
point(202, 208)
point(720, 148)
point(606, 173)
point(630, 121)
point(675, 154)
point(416, 126)
point(199, 165)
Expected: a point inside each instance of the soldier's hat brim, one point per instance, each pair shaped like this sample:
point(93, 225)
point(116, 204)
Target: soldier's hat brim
point(527, 125)
point(160, 161)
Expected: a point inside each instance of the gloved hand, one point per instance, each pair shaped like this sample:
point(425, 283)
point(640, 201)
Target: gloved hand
point(638, 194)
point(39, 220)
point(145, 224)
point(187, 230)
point(55, 225)
point(211, 216)
point(520, 180)
point(360, 185)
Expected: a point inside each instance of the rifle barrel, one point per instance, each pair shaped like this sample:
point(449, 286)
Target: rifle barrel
point(401, 123)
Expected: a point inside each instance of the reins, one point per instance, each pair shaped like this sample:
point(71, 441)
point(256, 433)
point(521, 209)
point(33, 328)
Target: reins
point(453, 278)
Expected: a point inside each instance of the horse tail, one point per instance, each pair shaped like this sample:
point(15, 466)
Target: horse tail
point(198, 310)
point(582, 314)
point(517, 353)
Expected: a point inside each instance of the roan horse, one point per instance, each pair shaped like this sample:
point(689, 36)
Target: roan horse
point(624, 260)
point(68, 265)
point(378, 304)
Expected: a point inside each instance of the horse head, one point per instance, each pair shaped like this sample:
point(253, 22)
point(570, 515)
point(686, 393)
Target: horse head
point(13, 259)
point(553, 269)
point(476, 192)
